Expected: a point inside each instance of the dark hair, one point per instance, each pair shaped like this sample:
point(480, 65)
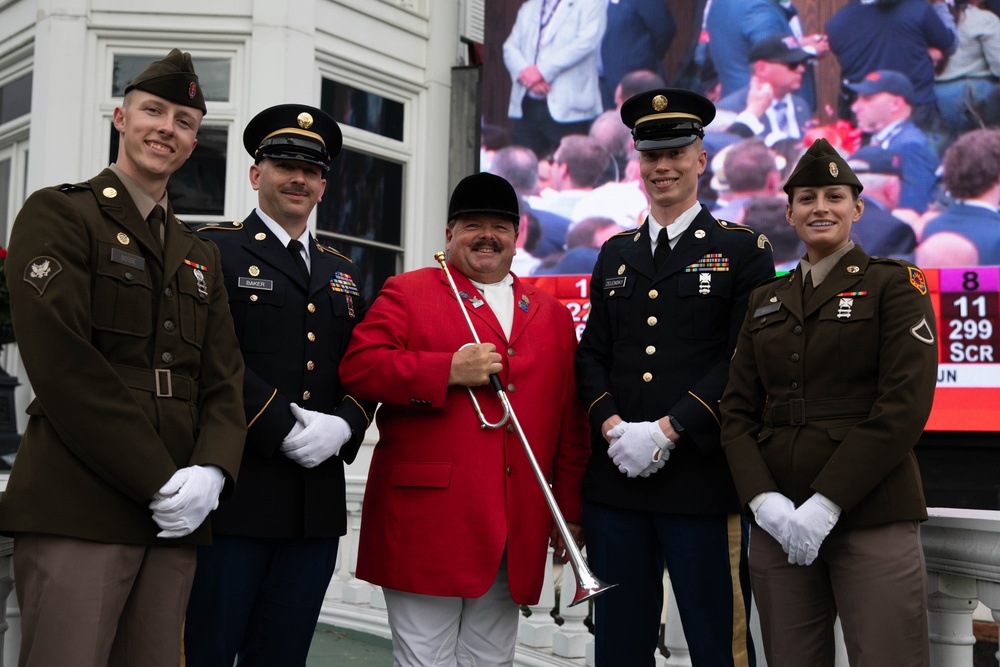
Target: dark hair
point(972, 164)
point(747, 165)
point(585, 159)
point(766, 214)
point(640, 81)
point(581, 234)
point(519, 165)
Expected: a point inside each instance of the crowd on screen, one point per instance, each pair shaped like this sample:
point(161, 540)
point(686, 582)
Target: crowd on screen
point(918, 114)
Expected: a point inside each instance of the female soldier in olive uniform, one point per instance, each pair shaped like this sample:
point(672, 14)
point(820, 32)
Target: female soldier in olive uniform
point(829, 389)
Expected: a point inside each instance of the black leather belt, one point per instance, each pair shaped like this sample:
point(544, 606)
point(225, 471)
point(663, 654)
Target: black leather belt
point(798, 411)
point(160, 381)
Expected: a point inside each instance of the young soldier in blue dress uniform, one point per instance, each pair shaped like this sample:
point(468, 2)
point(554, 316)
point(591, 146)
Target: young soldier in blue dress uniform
point(259, 589)
point(667, 301)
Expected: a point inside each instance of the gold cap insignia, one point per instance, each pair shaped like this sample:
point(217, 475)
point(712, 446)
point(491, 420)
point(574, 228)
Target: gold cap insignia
point(659, 103)
point(260, 236)
point(123, 238)
point(305, 120)
point(621, 269)
point(110, 193)
point(773, 299)
point(699, 233)
point(834, 171)
point(254, 271)
point(852, 269)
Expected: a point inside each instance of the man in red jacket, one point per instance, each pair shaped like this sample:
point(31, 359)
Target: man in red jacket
point(455, 527)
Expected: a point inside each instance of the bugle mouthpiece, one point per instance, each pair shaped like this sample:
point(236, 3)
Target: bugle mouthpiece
point(439, 256)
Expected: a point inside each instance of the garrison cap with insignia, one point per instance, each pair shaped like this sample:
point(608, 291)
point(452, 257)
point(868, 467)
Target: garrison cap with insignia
point(666, 118)
point(294, 132)
point(822, 165)
point(173, 79)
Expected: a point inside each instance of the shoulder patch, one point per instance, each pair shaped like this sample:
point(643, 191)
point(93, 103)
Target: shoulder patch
point(227, 226)
point(40, 271)
point(762, 242)
point(917, 279)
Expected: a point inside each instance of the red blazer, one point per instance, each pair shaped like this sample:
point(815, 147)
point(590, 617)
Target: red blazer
point(444, 497)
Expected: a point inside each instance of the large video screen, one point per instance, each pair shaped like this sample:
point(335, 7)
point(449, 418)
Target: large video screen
point(905, 105)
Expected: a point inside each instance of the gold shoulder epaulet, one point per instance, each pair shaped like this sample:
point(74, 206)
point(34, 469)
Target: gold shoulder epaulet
point(226, 225)
point(325, 248)
point(725, 224)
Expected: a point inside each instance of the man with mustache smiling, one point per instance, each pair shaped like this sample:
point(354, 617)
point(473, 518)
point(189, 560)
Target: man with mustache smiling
point(454, 527)
point(259, 587)
point(137, 425)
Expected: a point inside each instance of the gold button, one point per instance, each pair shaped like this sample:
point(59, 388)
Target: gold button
point(621, 269)
point(254, 297)
point(260, 236)
point(510, 387)
point(510, 352)
point(647, 377)
point(651, 321)
point(650, 350)
point(611, 293)
point(110, 193)
point(311, 336)
point(510, 428)
point(306, 395)
point(653, 294)
point(311, 307)
point(310, 366)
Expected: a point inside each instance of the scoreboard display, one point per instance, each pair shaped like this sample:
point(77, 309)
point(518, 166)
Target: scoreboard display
point(967, 306)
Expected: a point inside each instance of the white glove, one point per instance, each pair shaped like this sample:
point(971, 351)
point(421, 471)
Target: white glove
point(182, 504)
point(320, 437)
point(638, 446)
point(772, 514)
point(808, 526)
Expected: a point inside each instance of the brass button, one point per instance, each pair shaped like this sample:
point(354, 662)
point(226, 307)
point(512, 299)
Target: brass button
point(508, 471)
point(510, 428)
point(653, 294)
point(254, 297)
point(647, 377)
point(651, 349)
point(651, 321)
point(167, 358)
point(310, 366)
point(311, 336)
point(306, 395)
point(169, 325)
point(795, 356)
point(510, 387)
point(168, 292)
point(611, 293)
point(797, 330)
point(129, 276)
point(794, 385)
point(510, 352)
point(311, 307)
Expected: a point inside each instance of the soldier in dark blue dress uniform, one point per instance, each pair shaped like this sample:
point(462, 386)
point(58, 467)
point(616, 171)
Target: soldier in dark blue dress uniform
point(667, 302)
point(294, 301)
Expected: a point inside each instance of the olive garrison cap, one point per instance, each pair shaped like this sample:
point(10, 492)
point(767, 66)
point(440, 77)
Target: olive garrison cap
point(294, 132)
point(173, 79)
point(822, 165)
point(484, 193)
point(666, 118)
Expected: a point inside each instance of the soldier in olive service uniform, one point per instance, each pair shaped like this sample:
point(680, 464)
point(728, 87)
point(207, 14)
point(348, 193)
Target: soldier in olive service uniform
point(829, 390)
point(652, 365)
point(259, 587)
point(137, 425)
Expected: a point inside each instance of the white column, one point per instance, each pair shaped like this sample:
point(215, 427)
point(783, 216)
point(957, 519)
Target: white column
point(355, 591)
point(951, 601)
point(537, 630)
point(571, 640)
point(989, 595)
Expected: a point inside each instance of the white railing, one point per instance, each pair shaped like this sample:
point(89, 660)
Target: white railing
point(962, 548)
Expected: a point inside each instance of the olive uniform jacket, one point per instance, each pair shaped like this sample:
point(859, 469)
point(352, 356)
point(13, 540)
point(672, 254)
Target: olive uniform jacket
point(133, 360)
point(659, 343)
point(831, 397)
point(292, 334)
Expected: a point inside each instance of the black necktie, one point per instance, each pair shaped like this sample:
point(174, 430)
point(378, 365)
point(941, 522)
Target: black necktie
point(295, 250)
point(155, 220)
point(662, 249)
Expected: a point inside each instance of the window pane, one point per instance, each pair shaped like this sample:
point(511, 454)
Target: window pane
point(15, 99)
point(363, 199)
point(199, 187)
point(213, 74)
point(375, 265)
point(365, 111)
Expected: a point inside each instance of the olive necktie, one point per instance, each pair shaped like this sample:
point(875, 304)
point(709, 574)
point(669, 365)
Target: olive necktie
point(155, 220)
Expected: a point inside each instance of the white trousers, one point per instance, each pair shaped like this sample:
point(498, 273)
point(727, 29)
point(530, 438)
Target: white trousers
point(434, 631)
